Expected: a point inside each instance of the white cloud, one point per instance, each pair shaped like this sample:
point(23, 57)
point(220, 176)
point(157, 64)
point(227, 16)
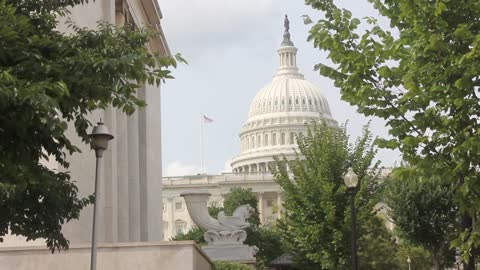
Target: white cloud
point(201, 25)
point(177, 168)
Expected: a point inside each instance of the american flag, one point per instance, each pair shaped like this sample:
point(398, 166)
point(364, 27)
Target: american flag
point(207, 119)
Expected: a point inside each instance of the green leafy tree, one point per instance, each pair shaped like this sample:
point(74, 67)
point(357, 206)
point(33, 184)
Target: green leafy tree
point(420, 74)
point(420, 259)
point(240, 196)
point(48, 79)
point(423, 209)
point(316, 223)
point(194, 234)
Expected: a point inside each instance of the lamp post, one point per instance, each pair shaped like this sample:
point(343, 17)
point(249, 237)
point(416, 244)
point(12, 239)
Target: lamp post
point(351, 181)
point(409, 261)
point(100, 138)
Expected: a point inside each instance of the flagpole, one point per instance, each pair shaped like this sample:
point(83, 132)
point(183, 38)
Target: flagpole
point(201, 142)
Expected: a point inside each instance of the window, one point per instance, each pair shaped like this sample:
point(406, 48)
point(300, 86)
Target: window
point(248, 143)
point(178, 206)
point(292, 138)
point(309, 102)
point(253, 141)
point(259, 141)
point(265, 140)
point(282, 138)
point(274, 139)
point(296, 101)
point(269, 203)
point(180, 226)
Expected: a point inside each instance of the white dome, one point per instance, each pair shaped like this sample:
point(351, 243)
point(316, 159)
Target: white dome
point(278, 114)
point(289, 94)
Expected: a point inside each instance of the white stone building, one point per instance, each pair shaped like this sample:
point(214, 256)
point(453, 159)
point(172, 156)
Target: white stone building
point(277, 115)
point(130, 192)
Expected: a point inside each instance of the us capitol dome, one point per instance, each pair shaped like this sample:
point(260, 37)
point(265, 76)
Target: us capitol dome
point(278, 114)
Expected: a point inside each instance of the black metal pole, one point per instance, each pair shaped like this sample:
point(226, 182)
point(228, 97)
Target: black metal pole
point(354, 231)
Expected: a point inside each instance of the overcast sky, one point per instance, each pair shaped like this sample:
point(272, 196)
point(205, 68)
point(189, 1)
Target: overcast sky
point(231, 49)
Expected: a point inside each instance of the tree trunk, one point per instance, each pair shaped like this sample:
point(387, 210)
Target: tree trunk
point(436, 262)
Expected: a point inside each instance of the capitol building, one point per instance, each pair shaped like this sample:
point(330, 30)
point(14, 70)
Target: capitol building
point(277, 115)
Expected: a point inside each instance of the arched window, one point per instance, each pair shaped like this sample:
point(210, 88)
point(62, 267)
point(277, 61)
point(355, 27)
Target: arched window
point(292, 138)
point(282, 138)
point(248, 143)
point(253, 141)
point(265, 140)
point(180, 226)
point(259, 141)
point(274, 139)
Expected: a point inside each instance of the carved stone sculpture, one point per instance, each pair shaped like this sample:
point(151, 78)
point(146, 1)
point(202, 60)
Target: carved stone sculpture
point(224, 235)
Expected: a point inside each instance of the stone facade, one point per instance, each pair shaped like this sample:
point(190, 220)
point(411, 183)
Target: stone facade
point(130, 191)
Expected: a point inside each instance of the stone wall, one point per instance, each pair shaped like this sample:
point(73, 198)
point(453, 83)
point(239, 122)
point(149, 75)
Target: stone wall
point(181, 255)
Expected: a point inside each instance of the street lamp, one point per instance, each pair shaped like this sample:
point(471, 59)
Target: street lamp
point(100, 138)
point(351, 181)
point(409, 261)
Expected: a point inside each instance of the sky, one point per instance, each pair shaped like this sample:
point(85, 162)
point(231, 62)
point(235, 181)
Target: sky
point(230, 46)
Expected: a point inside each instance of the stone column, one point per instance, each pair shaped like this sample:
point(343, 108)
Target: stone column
point(279, 205)
point(121, 139)
point(150, 165)
point(133, 178)
point(260, 207)
point(171, 219)
point(108, 215)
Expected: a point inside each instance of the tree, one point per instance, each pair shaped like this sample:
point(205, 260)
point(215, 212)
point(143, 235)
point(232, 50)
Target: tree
point(194, 234)
point(423, 209)
point(420, 74)
point(48, 79)
point(316, 223)
point(239, 196)
point(419, 257)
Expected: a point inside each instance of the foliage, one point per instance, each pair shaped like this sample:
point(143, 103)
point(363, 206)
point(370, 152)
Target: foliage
point(419, 257)
point(316, 223)
point(269, 243)
point(48, 79)
point(421, 75)
point(194, 234)
point(423, 209)
point(239, 196)
point(224, 265)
